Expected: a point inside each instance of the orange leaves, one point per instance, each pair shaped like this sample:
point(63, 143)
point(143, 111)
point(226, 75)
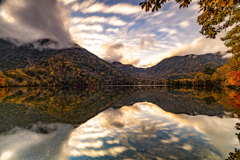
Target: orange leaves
point(234, 98)
point(234, 77)
point(1, 79)
point(2, 82)
point(155, 5)
point(2, 93)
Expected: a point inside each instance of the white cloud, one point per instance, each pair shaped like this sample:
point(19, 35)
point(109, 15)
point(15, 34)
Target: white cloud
point(194, 7)
point(29, 21)
point(7, 17)
point(119, 52)
point(115, 21)
point(186, 147)
point(112, 30)
point(112, 52)
point(158, 13)
point(81, 27)
point(120, 8)
point(18, 140)
point(85, 4)
point(94, 36)
point(131, 60)
point(66, 2)
point(201, 45)
point(170, 14)
point(146, 42)
point(161, 45)
point(184, 24)
point(168, 30)
point(98, 153)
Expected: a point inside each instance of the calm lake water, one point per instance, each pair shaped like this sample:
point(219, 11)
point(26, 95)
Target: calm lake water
point(118, 123)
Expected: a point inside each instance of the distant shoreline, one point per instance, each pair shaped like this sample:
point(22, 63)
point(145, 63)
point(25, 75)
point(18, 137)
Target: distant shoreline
point(65, 86)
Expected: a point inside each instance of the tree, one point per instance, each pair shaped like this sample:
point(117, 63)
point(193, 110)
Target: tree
point(217, 15)
point(200, 79)
point(2, 83)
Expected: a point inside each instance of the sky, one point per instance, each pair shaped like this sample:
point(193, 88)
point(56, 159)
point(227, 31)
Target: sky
point(114, 30)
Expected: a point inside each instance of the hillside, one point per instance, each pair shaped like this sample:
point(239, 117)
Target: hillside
point(54, 71)
point(28, 55)
point(177, 67)
point(5, 47)
point(130, 69)
point(186, 66)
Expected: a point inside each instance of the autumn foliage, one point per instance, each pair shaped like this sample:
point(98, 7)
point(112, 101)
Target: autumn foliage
point(234, 77)
point(55, 71)
point(234, 98)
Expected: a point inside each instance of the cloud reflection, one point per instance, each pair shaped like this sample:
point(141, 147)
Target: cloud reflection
point(123, 132)
point(19, 143)
point(142, 130)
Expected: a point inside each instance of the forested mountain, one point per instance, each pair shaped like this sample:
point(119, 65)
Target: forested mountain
point(29, 55)
point(177, 67)
point(186, 66)
point(130, 69)
point(5, 47)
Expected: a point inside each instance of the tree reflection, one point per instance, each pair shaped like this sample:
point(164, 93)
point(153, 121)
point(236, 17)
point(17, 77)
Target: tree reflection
point(77, 105)
point(236, 154)
point(228, 98)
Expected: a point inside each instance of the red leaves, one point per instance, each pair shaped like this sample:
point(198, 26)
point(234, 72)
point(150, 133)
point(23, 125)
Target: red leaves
point(234, 77)
point(234, 98)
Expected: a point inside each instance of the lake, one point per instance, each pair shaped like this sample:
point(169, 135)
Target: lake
point(107, 122)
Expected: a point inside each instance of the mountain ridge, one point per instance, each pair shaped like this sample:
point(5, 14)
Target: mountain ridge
point(178, 67)
point(25, 56)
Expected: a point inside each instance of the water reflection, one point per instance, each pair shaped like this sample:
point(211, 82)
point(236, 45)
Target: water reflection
point(146, 131)
point(32, 143)
point(24, 106)
point(118, 123)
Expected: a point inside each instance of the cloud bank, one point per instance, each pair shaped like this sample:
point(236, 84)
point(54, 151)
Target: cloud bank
point(201, 45)
point(112, 52)
point(32, 20)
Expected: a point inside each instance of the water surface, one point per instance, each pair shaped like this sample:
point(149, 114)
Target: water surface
point(117, 123)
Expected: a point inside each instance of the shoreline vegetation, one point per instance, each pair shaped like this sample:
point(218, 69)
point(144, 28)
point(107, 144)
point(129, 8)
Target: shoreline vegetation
point(226, 76)
point(59, 101)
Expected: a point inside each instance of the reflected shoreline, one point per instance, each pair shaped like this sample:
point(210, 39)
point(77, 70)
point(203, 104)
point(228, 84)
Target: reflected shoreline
point(20, 106)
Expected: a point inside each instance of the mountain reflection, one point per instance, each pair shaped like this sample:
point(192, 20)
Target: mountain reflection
point(117, 123)
point(145, 130)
